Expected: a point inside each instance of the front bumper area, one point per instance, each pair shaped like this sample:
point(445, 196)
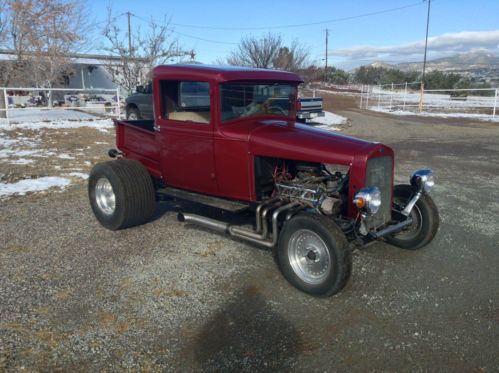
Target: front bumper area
point(394, 228)
point(310, 114)
point(403, 220)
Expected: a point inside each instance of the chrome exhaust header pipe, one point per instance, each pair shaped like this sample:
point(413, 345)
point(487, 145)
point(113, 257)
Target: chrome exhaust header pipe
point(204, 222)
point(237, 231)
point(259, 214)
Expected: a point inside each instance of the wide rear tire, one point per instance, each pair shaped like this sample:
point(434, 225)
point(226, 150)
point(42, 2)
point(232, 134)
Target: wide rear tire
point(313, 255)
point(425, 218)
point(121, 194)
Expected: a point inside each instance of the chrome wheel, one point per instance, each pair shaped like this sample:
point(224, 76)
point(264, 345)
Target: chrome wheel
point(104, 196)
point(309, 256)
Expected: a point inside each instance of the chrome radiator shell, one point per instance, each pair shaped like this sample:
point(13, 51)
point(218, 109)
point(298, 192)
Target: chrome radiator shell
point(379, 172)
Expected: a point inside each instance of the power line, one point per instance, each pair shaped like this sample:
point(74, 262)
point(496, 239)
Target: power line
point(186, 35)
point(302, 24)
point(203, 39)
point(273, 27)
point(107, 20)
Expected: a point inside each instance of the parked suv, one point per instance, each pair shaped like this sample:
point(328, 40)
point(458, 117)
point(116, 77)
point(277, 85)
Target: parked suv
point(139, 104)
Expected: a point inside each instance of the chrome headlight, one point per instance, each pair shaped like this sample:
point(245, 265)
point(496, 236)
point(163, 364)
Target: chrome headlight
point(368, 199)
point(423, 179)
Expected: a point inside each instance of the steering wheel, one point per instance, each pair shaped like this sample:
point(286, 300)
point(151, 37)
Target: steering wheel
point(276, 110)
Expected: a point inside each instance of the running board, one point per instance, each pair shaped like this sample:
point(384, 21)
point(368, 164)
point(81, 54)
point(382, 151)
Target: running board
point(220, 203)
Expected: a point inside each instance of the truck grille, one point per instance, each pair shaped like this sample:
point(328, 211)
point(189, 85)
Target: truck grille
point(379, 173)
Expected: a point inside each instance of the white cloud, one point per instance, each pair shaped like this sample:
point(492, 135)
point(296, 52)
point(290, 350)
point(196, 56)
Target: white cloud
point(465, 41)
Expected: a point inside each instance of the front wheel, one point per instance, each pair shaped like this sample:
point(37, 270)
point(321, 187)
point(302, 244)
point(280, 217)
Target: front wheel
point(313, 256)
point(425, 220)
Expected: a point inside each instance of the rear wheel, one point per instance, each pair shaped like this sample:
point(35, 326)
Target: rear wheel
point(121, 194)
point(424, 216)
point(312, 255)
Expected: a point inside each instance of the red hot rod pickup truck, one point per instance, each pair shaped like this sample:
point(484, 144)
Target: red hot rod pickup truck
point(227, 137)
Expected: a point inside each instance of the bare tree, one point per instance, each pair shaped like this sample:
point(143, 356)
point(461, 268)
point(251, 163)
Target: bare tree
point(15, 29)
point(256, 52)
point(293, 58)
point(43, 34)
point(3, 21)
point(149, 49)
point(5, 67)
point(268, 52)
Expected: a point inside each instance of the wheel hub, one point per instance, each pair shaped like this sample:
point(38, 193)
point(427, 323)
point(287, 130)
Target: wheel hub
point(104, 196)
point(309, 256)
point(312, 255)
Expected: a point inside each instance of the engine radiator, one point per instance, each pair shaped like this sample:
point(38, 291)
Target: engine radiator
point(379, 173)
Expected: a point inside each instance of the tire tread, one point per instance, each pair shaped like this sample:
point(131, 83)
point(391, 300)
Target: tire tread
point(135, 192)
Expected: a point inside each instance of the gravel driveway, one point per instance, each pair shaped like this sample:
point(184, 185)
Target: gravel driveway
point(167, 296)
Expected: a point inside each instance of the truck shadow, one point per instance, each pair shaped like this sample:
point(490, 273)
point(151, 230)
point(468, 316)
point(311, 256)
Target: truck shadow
point(244, 335)
point(176, 206)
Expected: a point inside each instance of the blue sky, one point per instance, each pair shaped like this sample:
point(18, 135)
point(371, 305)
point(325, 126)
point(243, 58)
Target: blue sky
point(351, 42)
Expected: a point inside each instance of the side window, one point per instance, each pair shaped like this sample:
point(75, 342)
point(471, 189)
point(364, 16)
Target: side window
point(186, 101)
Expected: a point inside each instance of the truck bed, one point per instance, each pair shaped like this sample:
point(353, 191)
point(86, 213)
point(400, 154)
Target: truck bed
point(137, 140)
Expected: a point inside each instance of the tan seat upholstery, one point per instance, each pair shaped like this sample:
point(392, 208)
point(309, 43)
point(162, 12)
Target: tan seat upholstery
point(194, 116)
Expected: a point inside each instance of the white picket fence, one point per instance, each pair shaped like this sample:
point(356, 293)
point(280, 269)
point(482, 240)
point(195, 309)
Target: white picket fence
point(20, 103)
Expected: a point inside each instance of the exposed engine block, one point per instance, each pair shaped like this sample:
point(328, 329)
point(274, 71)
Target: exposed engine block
point(299, 192)
point(312, 186)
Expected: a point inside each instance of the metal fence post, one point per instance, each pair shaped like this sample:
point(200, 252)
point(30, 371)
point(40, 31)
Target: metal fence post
point(421, 94)
point(6, 99)
point(361, 93)
point(391, 99)
point(118, 110)
point(495, 105)
point(405, 95)
point(367, 98)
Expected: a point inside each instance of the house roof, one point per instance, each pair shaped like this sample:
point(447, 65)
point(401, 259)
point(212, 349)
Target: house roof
point(222, 73)
point(76, 58)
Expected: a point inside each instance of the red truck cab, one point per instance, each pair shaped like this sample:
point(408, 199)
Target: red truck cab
point(227, 137)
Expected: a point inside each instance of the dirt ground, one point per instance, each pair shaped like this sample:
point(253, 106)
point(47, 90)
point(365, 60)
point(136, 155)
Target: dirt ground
point(166, 296)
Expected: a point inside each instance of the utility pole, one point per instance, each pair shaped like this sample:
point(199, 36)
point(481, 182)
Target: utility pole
point(325, 69)
point(129, 33)
point(424, 59)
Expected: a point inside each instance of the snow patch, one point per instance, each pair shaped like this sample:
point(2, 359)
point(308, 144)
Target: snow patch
point(34, 115)
point(329, 121)
point(484, 117)
point(7, 153)
point(65, 156)
point(22, 161)
point(79, 174)
point(33, 185)
point(101, 125)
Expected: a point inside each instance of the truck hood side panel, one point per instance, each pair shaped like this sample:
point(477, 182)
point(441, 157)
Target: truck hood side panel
point(301, 142)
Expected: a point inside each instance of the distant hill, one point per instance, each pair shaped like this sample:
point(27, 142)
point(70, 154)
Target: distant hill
point(476, 65)
point(383, 64)
point(459, 62)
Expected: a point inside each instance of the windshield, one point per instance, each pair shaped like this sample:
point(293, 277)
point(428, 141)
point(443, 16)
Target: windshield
point(247, 99)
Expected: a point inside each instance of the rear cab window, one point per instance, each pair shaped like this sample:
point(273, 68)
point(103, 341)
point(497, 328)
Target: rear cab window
point(186, 101)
